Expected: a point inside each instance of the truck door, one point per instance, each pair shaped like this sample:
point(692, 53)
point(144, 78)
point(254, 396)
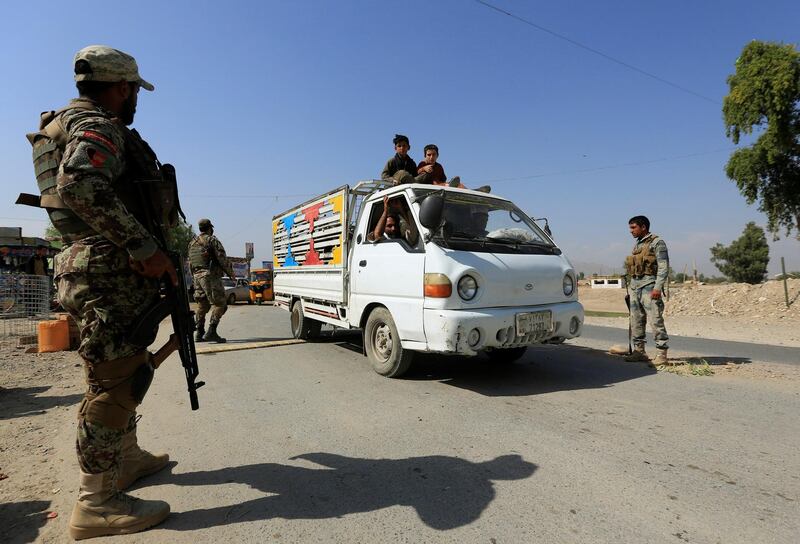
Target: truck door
point(389, 271)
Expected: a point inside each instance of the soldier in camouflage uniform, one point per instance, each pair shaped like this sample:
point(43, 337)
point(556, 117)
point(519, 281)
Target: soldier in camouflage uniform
point(89, 167)
point(647, 270)
point(208, 262)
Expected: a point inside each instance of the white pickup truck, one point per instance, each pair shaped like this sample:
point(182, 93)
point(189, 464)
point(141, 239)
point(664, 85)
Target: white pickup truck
point(472, 274)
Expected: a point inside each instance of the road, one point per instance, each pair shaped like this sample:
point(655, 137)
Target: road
point(305, 443)
point(713, 351)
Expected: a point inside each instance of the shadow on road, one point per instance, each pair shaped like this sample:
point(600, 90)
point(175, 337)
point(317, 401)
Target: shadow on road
point(21, 521)
point(25, 401)
point(446, 492)
point(543, 369)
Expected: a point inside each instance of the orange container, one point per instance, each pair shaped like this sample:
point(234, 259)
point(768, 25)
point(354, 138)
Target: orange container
point(53, 336)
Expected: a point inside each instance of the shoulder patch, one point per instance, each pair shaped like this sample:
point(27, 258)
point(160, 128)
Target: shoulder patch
point(101, 139)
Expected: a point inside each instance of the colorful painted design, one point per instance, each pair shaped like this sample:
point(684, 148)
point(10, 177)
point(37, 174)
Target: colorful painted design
point(311, 235)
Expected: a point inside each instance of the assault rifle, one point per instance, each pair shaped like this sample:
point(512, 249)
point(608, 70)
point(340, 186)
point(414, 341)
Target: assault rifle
point(628, 304)
point(175, 299)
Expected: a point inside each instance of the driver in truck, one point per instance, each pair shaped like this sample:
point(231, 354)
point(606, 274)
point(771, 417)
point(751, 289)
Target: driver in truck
point(389, 224)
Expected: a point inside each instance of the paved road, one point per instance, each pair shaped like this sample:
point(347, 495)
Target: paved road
point(305, 443)
point(712, 350)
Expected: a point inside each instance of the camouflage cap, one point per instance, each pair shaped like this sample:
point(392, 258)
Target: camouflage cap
point(204, 224)
point(109, 64)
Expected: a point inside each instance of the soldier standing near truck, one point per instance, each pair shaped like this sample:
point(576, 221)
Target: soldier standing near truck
point(92, 171)
point(647, 268)
point(208, 262)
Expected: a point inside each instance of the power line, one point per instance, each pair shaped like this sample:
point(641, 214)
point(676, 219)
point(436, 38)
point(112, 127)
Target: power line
point(275, 197)
point(599, 53)
point(608, 167)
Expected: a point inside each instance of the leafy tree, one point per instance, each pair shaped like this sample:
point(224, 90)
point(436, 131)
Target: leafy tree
point(746, 259)
point(765, 97)
point(179, 238)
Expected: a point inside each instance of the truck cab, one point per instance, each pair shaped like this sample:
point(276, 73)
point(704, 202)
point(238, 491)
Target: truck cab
point(469, 273)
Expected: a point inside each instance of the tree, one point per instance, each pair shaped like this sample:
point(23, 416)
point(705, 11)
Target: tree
point(179, 238)
point(765, 97)
point(746, 259)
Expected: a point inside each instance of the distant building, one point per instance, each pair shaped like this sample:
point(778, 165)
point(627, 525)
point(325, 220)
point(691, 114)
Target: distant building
point(607, 282)
point(24, 254)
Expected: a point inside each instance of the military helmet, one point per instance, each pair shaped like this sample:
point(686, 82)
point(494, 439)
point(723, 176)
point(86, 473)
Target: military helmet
point(109, 64)
point(204, 224)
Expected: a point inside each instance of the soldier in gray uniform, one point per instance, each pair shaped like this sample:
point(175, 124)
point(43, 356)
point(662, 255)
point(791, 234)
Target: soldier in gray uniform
point(96, 177)
point(208, 263)
point(647, 268)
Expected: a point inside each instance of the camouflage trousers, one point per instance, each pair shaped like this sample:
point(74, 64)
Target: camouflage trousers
point(105, 307)
point(208, 292)
point(644, 309)
point(98, 447)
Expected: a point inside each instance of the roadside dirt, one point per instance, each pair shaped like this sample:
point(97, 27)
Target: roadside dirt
point(38, 394)
point(736, 311)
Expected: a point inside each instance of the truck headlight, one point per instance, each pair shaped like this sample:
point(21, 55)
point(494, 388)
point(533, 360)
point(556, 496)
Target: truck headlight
point(568, 284)
point(467, 287)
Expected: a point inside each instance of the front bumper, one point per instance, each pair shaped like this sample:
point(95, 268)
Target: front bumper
point(448, 331)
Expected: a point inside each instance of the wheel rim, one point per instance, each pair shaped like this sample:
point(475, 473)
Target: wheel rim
point(382, 341)
point(295, 321)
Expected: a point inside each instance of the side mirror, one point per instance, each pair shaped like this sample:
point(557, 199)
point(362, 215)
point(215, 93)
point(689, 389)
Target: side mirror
point(430, 211)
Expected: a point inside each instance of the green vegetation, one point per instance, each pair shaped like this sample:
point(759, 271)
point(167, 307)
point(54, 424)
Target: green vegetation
point(746, 259)
point(592, 313)
point(179, 238)
point(764, 98)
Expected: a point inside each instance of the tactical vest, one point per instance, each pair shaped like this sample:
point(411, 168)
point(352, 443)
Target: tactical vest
point(147, 189)
point(199, 255)
point(642, 261)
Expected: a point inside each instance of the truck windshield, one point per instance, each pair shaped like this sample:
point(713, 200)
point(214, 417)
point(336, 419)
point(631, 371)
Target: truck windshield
point(477, 223)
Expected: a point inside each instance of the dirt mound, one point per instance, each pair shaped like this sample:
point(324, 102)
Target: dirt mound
point(764, 301)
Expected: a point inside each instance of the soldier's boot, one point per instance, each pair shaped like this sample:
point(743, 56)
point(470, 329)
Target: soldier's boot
point(212, 336)
point(198, 335)
point(638, 355)
point(137, 463)
point(661, 358)
point(102, 510)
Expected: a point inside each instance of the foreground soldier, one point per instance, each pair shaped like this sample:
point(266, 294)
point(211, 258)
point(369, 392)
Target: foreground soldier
point(647, 269)
point(208, 263)
point(92, 172)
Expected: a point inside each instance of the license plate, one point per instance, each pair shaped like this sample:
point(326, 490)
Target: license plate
point(532, 322)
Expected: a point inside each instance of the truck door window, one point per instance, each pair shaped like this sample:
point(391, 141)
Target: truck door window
point(407, 232)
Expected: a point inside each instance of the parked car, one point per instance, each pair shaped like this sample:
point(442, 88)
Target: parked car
point(236, 290)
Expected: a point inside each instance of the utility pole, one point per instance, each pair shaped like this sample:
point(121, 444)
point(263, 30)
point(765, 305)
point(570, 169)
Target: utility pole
point(785, 287)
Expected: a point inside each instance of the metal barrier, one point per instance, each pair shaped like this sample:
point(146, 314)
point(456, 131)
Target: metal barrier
point(24, 301)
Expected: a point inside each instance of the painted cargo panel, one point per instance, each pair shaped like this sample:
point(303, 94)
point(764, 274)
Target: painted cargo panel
point(311, 236)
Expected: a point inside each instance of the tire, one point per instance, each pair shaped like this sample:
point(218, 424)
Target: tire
point(303, 327)
point(508, 355)
point(382, 344)
point(231, 299)
point(259, 302)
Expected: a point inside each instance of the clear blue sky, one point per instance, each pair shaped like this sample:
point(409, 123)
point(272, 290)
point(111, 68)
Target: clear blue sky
point(257, 102)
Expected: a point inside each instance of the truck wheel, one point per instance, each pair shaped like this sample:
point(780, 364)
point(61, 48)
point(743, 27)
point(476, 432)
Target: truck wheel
point(231, 299)
point(382, 343)
point(303, 327)
point(508, 355)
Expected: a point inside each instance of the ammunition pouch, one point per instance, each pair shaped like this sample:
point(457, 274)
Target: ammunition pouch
point(116, 388)
point(643, 260)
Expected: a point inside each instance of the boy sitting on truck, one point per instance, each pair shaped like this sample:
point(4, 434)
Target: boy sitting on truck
point(390, 227)
point(401, 168)
point(435, 171)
